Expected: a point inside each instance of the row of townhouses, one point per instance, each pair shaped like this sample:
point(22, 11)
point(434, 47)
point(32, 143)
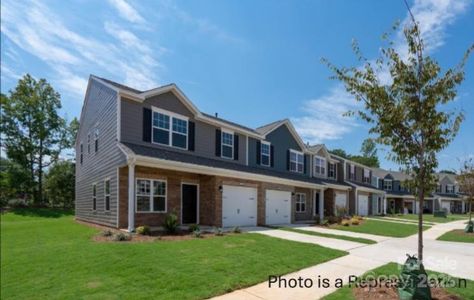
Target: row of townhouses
point(142, 155)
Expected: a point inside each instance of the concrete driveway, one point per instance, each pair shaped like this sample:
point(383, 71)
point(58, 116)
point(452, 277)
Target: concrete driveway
point(456, 259)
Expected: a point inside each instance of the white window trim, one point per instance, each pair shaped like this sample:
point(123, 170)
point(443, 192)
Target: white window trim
point(269, 154)
point(452, 188)
point(366, 179)
point(171, 115)
point(88, 143)
point(227, 145)
point(151, 211)
point(352, 171)
point(391, 184)
point(298, 201)
point(324, 161)
point(94, 197)
point(296, 162)
point(105, 195)
point(335, 170)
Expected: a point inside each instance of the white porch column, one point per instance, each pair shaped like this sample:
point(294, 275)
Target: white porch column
point(384, 201)
point(321, 205)
point(131, 197)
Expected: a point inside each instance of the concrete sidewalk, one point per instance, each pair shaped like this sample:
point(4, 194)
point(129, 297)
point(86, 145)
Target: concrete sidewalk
point(377, 238)
point(447, 257)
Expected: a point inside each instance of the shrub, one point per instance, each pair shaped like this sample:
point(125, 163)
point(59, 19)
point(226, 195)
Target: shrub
point(197, 234)
point(345, 222)
point(194, 227)
point(143, 230)
point(120, 237)
point(107, 233)
point(218, 231)
point(334, 219)
point(324, 222)
point(355, 221)
point(360, 218)
point(171, 223)
point(236, 229)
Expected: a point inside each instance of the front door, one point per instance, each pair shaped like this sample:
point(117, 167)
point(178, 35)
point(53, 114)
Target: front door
point(316, 203)
point(189, 198)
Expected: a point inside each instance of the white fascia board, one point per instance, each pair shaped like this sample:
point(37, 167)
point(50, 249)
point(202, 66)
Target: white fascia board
point(192, 168)
point(338, 186)
point(400, 196)
point(369, 190)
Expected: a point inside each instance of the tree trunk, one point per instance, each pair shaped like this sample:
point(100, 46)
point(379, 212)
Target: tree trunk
point(421, 198)
point(40, 173)
point(470, 209)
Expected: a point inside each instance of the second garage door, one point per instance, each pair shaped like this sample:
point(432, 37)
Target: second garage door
point(341, 203)
point(363, 205)
point(239, 206)
point(277, 207)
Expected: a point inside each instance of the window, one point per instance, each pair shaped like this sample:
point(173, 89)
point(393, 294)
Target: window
point(450, 189)
point(170, 130)
point(319, 166)
point(94, 196)
point(88, 143)
point(332, 170)
point(352, 172)
point(151, 195)
point(300, 202)
point(227, 145)
point(438, 188)
point(81, 153)
point(387, 184)
point(107, 194)
point(265, 154)
point(296, 161)
point(366, 176)
point(96, 140)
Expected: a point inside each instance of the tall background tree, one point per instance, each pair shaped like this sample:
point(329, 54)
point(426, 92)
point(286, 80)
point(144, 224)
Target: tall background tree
point(408, 114)
point(368, 154)
point(466, 184)
point(33, 132)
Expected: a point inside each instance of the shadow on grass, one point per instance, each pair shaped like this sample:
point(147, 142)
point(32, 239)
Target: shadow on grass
point(42, 212)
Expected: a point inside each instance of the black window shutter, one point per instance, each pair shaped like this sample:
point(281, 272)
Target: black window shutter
point(272, 161)
point(218, 142)
point(191, 133)
point(146, 124)
point(236, 147)
point(288, 159)
point(305, 162)
point(259, 150)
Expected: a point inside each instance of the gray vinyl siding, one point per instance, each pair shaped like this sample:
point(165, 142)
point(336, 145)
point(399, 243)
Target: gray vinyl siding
point(282, 140)
point(205, 134)
point(100, 111)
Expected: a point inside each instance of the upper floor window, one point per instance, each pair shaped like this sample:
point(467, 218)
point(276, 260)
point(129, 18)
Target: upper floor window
point(96, 139)
point(332, 170)
point(227, 145)
point(319, 166)
point(300, 202)
point(265, 154)
point(107, 194)
point(296, 161)
point(375, 181)
point(450, 189)
point(169, 129)
point(387, 184)
point(151, 195)
point(438, 188)
point(81, 153)
point(366, 176)
point(352, 172)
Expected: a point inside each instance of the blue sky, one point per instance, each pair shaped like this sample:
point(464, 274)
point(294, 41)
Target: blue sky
point(253, 62)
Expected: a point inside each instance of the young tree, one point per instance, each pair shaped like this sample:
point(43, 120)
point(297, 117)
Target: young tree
point(34, 133)
point(466, 183)
point(60, 184)
point(408, 113)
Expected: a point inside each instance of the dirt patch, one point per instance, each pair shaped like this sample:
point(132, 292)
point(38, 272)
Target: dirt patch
point(390, 292)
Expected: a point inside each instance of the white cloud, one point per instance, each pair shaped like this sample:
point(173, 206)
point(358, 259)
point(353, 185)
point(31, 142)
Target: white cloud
point(72, 56)
point(322, 119)
point(127, 12)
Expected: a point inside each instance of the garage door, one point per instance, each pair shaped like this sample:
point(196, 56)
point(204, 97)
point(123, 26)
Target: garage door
point(446, 205)
point(277, 207)
point(239, 206)
point(363, 205)
point(341, 203)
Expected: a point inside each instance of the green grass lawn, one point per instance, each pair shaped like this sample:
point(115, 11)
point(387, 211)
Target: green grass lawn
point(48, 255)
point(431, 218)
point(345, 293)
point(328, 235)
point(457, 235)
point(381, 228)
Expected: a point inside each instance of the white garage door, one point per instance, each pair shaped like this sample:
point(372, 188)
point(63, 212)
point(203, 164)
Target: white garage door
point(239, 206)
point(363, 205)
point(341, 202)
point(446, 205)
point(277, 207)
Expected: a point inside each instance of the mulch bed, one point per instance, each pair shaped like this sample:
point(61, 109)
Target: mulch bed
point(391, 293)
